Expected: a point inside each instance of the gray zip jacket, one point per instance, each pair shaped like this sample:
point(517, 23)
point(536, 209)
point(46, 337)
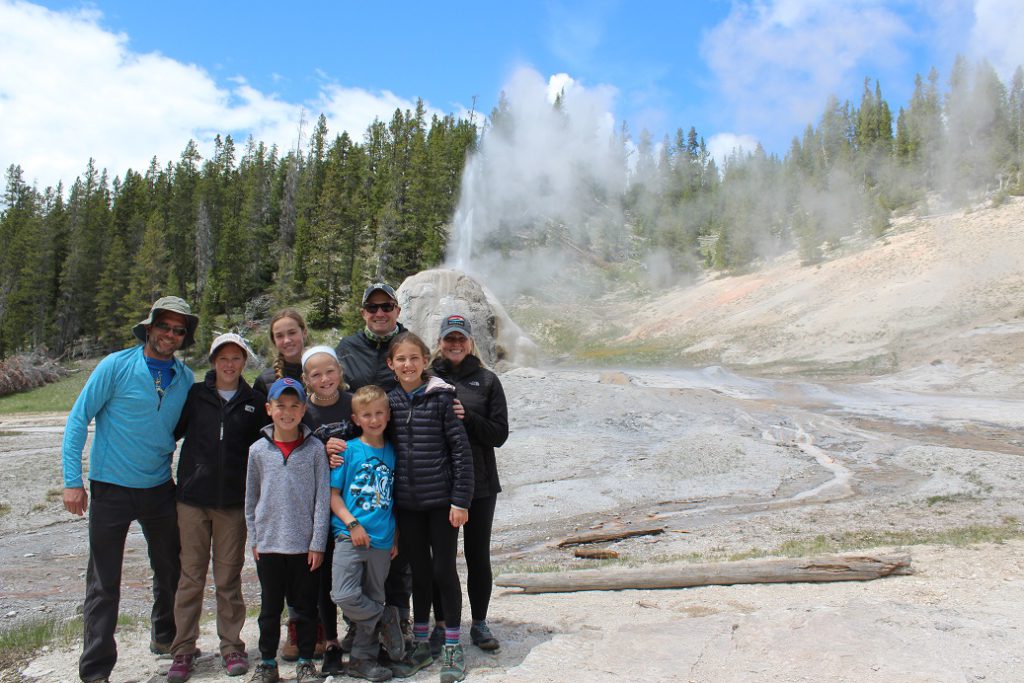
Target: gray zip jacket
point(287, 501)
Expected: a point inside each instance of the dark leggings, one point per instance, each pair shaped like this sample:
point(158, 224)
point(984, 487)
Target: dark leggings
point(476, 541)
point(430, 542)
point(327, 611)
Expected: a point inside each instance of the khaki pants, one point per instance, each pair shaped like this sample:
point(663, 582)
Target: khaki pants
point(223, 531)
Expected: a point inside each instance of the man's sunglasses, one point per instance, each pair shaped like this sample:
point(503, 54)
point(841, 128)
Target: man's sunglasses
point(176, 331)
point(373, 308)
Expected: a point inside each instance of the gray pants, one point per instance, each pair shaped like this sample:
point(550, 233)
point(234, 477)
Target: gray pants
point(358, 589)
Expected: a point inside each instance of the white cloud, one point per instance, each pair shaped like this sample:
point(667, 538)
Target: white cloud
point(721, 145)
point(71, 90)
point(776, 61)
point(998, 34)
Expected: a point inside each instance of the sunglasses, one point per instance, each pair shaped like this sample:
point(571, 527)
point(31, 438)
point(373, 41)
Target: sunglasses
point(176, 331)
point(373, 308)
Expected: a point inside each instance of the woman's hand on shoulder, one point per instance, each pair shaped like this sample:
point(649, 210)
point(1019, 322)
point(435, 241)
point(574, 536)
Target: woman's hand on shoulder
point(460, 410)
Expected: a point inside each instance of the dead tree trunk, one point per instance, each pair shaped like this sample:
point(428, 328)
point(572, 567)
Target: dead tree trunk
point(778, 570)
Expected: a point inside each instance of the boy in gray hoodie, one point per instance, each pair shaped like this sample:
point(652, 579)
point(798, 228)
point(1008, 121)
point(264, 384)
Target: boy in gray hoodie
point(287, 510)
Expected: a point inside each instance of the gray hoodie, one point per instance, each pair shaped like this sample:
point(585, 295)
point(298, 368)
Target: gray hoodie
point(287, 501)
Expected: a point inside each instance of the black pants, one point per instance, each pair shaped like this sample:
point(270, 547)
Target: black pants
point(287, 576)
point(476, 542)
point(111, 511)
point(326, 608)
point(430, 542)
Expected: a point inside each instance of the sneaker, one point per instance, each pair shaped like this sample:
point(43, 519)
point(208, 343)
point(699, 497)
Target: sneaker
point(321, 642)
point(333, 666)
point(236, 663)
point(159, 648)
point(416, 659)
point(453, 664)
point(436, 641)
point(181, 668)
point(265, 673)
point(368, 669)
point(482, 637)
point(290, 647)
point(391, 633)
point(305, 672)
point(350, 636)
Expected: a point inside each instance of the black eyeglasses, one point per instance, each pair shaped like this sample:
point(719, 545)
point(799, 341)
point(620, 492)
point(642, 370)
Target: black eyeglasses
point(373, 308)
point(177, 331)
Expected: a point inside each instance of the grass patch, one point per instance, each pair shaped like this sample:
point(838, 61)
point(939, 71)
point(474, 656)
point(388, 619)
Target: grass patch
point(5, 508)
point(55, 397)
point(19, 643)
point(54, 495)
point(1010, 528)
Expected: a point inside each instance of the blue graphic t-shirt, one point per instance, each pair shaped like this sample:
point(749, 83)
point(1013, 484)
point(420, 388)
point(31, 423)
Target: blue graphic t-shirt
point(366, 481)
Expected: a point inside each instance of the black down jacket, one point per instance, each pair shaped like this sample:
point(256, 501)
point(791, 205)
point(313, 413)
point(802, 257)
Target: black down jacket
point(433, 462)
point(486, 420)
point(215, 453)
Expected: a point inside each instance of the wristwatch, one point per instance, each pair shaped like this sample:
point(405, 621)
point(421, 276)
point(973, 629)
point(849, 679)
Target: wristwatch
point(353, 524)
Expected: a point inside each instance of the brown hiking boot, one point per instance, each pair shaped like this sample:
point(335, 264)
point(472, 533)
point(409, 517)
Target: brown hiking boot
point(290, 647)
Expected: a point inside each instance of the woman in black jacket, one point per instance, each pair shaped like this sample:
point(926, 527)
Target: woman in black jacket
point(221, 419)
point(485, 416)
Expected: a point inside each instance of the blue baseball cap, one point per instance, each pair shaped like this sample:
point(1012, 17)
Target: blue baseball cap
point(286, 384)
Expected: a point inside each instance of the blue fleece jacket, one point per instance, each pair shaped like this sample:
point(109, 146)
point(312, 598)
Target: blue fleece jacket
point(134, 439)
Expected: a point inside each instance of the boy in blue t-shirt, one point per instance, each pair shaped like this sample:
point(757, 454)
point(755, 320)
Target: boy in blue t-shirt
point(363, 524)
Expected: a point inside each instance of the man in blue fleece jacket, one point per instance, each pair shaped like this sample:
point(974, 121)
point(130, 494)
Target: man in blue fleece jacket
point(135, 396)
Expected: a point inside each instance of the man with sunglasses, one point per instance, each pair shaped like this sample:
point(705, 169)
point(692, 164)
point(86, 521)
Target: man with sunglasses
point(136, 397)
point(363, 355)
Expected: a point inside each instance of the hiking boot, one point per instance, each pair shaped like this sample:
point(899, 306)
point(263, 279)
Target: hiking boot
point(181, 668)
point(236, 663)
point(265, 673)
point(306, 672)
point(453, 664)
point(482, 637)
point(290, 647)
point(350, 636)
point(416, 659)
point(321, 642)
point(159, 648)
point(368, 669)
point(101, 679)
point(436, 641)
point(332, 666)
point(391, 634)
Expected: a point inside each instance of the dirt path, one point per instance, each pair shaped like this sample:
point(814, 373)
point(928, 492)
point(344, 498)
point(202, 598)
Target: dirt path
point(728, 464)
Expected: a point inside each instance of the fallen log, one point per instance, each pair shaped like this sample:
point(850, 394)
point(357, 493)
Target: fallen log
point(609, 535)
point(595, 553)
point(776, 570)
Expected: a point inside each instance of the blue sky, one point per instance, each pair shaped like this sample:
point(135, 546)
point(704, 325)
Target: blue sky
point(122, 81)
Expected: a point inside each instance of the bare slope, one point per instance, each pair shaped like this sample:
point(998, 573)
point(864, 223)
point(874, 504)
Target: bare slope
point(940, 288)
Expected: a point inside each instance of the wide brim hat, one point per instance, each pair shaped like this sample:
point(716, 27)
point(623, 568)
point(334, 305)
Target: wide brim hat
point(171, 304)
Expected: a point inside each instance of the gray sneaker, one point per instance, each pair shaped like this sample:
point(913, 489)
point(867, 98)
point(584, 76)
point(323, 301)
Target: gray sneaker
point(482, 637)
point(305, 672)
point(453, 664)
point(416, 659)
point(265, 674)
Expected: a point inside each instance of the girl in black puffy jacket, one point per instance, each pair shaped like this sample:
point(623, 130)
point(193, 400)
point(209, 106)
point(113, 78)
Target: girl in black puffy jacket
point(433, 491)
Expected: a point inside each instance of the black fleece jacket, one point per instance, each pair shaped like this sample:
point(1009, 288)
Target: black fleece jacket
point(433, 462)
point(365, 361)
point(486, 420)
point(215, 453)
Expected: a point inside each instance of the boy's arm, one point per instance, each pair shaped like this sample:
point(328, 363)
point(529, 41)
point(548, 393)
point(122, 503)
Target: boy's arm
point(357, 533)
point(252, 483)
point(322, 505)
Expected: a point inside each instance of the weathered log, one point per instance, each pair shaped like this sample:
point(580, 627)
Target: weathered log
point(609, 535)
point(777, 570)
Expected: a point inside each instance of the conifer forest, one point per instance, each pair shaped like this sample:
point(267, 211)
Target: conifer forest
point(252, 227)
